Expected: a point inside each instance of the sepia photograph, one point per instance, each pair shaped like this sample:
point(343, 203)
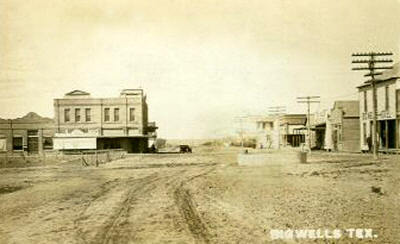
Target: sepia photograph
point(199, 121)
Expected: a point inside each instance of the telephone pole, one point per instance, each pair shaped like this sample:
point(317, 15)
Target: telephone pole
point(308, 100)
point(277, 111)
point(372, 59)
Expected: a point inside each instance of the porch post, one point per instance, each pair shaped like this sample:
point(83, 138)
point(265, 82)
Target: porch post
point(386, 134)
point(396, 137)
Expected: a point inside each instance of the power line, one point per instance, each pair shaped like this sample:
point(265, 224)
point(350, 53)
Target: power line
point(309, 100)
point(371, 61)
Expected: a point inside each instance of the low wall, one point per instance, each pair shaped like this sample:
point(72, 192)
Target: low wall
point(269, 158)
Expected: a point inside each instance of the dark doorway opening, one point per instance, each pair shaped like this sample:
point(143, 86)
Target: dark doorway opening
point(387, 133)
point(33, 145)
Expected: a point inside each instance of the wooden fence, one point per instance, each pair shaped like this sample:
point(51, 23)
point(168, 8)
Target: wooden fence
point(85, 158)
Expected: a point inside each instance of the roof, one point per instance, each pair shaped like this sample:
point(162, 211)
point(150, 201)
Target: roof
point(266, 119)
point(350, 108)
point(386, 75)
point(77, 93)
point(30, 117)
point(293, 119)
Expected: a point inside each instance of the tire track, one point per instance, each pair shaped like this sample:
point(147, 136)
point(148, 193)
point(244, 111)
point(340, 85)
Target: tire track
point(113, 228)
point(185, 203)
point(110, 229)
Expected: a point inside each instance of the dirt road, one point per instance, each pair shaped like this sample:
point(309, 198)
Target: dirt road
point(197, 198)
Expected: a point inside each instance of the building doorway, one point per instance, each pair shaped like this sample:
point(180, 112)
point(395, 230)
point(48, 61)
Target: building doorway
point(387, 133)
point(33, 145)
point(295, 140)
point(33, 141)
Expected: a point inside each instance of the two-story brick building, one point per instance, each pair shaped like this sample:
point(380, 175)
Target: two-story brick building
point(84, 122)
point(388, 109)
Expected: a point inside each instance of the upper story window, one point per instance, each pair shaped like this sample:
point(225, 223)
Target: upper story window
point(131, 114)
point(116, 114)
point(88, 116)
point(386, 98)
point(107, 114)
point(77, 115)
point(398, 100)
point(66, 115)
point(365, 102)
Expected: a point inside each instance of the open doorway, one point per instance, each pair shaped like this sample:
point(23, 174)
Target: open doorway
point(387, 133)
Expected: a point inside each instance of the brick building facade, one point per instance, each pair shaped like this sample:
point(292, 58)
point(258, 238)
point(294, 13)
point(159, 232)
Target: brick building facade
point(117, 122)
point(31, 134)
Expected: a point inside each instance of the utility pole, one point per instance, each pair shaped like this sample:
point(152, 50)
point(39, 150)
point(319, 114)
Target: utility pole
point(277, 111)
point(308, 100)
point(241, 131)
point(372, 59)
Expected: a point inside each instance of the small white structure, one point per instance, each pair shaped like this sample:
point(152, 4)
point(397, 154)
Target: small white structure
point(77, 139)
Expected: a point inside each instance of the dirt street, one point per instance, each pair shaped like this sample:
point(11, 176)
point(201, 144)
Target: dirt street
point(204, 197)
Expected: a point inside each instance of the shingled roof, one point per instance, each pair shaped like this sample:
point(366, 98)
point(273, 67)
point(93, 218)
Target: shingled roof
point(350, 108)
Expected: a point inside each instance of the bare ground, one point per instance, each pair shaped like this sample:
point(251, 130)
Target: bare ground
point(199, 198)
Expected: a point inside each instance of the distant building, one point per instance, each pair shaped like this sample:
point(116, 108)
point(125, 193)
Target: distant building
point(388, 109)
point(291, 133)
point(283, 130)
point(84, 122)
point(345, 126)
point(30, 134)
point(267, 133)
point(320, 130)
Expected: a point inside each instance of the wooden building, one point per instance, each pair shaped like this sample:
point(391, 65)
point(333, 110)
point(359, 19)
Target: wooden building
point(291, 129)
point(388, 110)
point(345, 126)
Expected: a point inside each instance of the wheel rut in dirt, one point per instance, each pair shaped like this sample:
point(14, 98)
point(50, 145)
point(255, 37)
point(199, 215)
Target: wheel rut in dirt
point(187, 208)
point(112, 230)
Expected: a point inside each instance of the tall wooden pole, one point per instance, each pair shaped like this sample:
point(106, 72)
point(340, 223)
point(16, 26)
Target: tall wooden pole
point(372, 68)
point(308, 100)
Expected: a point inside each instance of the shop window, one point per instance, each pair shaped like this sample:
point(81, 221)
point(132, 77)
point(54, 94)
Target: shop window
point(48, 143)
point(17, 144)
point(3, 144)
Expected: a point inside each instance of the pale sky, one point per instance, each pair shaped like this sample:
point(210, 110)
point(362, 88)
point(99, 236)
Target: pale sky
point(201, 63)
